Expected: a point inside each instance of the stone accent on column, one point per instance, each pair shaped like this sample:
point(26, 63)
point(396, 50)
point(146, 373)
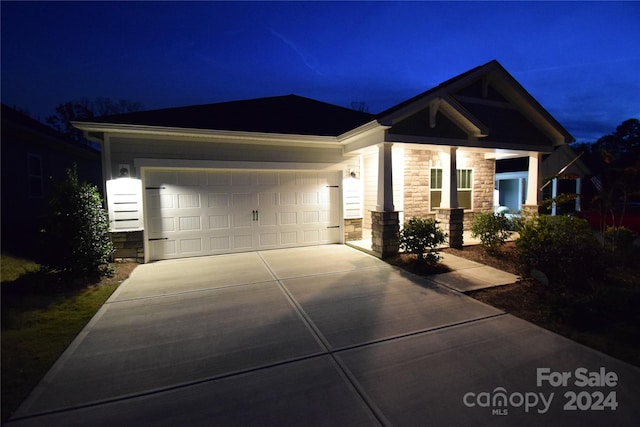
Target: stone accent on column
point(529, 210)
point(452, 222)
point(352, 229)
point(128, 245)
point(384, 230)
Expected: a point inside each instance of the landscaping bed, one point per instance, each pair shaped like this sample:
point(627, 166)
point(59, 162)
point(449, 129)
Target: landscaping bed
point(604, 315)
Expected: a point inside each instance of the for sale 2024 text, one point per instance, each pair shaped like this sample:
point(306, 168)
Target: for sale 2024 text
point(595, 393)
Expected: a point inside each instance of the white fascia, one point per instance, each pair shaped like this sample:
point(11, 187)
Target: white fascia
point(258, 138)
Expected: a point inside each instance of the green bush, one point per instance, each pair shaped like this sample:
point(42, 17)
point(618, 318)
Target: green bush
point(76, 234)
point(562, 247)
point(619, 242)
point(492, 229)
point(422, 236)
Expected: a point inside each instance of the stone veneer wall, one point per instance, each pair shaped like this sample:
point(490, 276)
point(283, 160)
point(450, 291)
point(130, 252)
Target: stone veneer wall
point(416, 182)
point(129, 245)
point(352, 229)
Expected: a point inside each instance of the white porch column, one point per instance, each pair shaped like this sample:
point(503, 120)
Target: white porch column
point(385, 178)
point(554, 194)
point(449, 178)
point(532, 180)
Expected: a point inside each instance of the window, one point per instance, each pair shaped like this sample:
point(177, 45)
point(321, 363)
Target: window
point(465, 188)
point(436, 189)
point(34, 176)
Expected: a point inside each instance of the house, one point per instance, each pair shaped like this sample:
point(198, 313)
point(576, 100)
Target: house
point(290, 171)
point(33, 157)
point(561, 174)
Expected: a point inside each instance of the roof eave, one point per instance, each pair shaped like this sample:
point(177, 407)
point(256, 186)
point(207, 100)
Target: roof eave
point(227, 135)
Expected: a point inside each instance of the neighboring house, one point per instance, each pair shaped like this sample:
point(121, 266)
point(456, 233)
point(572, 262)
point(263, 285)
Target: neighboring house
point(290, 171)
point(561, 173)
point(33, 157)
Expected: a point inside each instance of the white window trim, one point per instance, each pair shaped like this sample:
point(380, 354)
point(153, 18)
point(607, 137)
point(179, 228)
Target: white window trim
point(470, 189)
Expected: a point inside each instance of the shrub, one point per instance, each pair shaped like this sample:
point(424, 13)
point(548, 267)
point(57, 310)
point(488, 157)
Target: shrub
point(422, 236)
point(619, 241)
point(492, 229)
point(76, 237)
point(562, 247)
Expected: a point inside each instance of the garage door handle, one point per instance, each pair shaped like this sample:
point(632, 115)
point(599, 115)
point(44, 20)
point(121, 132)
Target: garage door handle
point(256, 215)
point(159, 238)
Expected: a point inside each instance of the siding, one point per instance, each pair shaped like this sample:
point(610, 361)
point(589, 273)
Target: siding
point(125, 150)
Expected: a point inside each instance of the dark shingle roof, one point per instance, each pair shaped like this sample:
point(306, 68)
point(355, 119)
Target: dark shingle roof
point(290, 114)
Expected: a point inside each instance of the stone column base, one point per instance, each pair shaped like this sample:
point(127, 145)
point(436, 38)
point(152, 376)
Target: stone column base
point(352, 229)
point(452, 222)
point(384, 232)
point(129, 245)
point(529, 210)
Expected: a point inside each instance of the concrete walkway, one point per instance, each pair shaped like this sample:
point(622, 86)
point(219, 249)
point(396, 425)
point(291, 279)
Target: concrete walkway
point(470, 275)
point(322, 335)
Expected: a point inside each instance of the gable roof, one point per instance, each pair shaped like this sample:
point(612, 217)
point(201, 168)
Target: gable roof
point(289, 114)
point(476, 99)
point(484, 106)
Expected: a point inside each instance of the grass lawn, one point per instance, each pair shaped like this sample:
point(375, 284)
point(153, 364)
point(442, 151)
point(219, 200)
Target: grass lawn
point(41, 314)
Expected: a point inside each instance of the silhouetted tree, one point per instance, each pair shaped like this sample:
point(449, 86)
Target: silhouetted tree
point(621, 148)
point(360, 106)
point(615, 161)
point(85, 109)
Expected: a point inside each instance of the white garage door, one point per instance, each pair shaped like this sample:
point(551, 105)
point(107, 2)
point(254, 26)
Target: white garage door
point(206, 212)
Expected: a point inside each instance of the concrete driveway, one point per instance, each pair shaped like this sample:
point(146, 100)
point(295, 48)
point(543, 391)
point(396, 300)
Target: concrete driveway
point(319, 336)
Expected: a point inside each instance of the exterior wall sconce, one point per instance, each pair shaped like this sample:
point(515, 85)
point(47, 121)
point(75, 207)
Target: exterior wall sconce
point(124, 171)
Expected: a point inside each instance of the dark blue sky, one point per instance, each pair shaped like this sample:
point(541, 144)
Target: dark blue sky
point(581, 60)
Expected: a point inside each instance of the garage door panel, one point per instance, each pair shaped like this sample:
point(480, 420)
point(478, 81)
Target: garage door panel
point(160, 201)
point(288, 218)
point(267, 200)
point(189, 223)
point(242, 179)
point(242, 220)
point(268, 219)
point(162, 248)
point(219, 222)
point(188, 200)
point(243, 241)
point(159, 178)
point(161, 225)
point(267, 240)
point(287, 198)
point(191, 246)
point(190, 179)
point(311, 217)
point(218, 200)
point(193, 213)
point(221, 243)
point(267, 179)
point(311, 236)
point(218, 179)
